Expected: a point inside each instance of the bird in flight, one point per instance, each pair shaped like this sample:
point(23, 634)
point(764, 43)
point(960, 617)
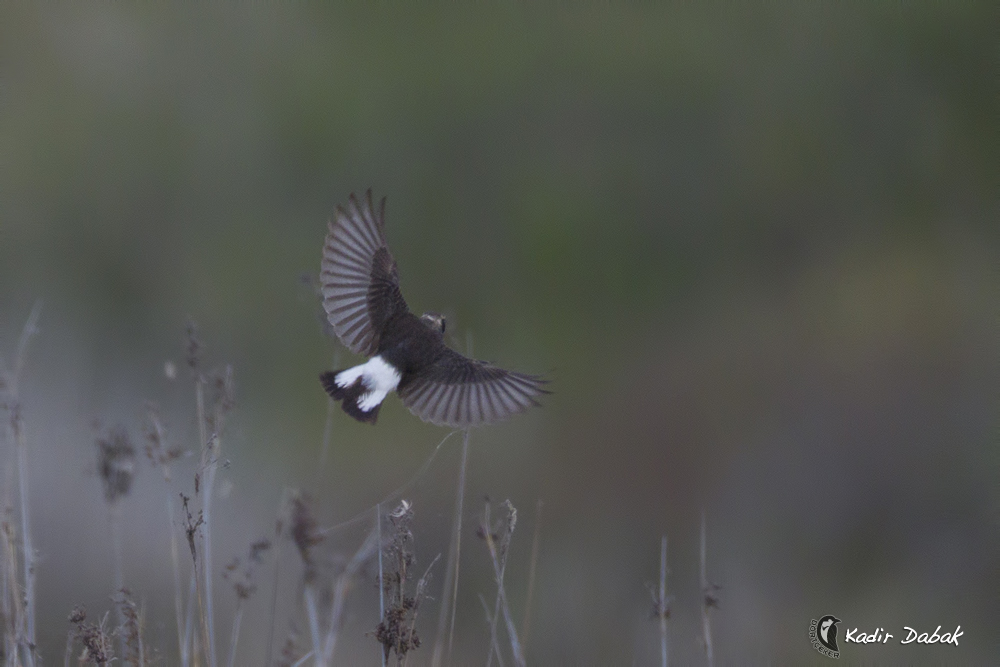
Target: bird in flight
point(408, 354)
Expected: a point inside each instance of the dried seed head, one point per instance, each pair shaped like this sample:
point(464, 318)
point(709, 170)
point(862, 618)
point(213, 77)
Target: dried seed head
point(78, 615)
point(116, 463)
point(193, 347)
point(304, 530)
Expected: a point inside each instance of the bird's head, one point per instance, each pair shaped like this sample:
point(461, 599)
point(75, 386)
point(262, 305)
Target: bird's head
point(434, 320)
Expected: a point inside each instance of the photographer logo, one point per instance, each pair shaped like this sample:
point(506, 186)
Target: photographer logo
point(823, 634)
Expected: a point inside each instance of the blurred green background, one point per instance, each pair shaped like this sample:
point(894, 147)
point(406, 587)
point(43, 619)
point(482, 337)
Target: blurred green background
point(756, 250)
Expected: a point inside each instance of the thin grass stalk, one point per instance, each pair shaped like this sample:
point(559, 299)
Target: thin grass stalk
point(207, 556)
point(15, 621)
point(8, 578)
point(458, 535)
point(178, 593)
point(526, 619)
point(199, 593)
point(381, 582)
point(494, 645)
point(208, 457)
point(451, 571)
point(499, 567)
point(235, 636)
point(189, 634)
point(27, 642)
point(159, 436)
point(421, 591)
point(312, 613)
point(279, 525)
point(664, 656)
point(495, 617)
point(340, 590)
point(9, 636)
point(707, 599)
point(114, 516)
point(142, 623)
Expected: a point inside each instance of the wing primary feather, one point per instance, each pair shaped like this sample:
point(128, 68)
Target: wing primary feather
point(438, 407)
point(372, 228)
point(475, 407)
point(490, 404)
point(348, 257)
point(353, 304)
point(509, 402)
point(354, 234)
point(525, 381)
point(423, 401)
point(433, 403)
point(452, 404)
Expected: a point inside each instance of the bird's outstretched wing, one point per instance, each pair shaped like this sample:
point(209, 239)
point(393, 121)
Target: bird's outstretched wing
point(457, 391)
point(359, 279)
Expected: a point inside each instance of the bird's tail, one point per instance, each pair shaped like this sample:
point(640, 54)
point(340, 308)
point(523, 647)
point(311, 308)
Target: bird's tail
point(350, 396)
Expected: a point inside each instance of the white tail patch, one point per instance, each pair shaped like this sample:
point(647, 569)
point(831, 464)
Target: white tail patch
point(370, 400)
point(379, 378)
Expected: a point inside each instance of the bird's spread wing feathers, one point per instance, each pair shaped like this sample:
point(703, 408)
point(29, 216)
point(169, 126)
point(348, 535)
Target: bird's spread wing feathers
point(359, 279)
point(457, 391)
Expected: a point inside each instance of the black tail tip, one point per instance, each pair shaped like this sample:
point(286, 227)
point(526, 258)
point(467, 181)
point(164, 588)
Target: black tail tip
point(329, 382)
point(348, 397)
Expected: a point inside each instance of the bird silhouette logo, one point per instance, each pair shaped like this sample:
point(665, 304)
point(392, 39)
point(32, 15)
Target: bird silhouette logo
point(407, 354)
point(823, 634)
point(828, 632)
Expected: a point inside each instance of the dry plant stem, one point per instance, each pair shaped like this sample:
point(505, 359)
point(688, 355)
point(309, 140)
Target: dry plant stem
point(27, 641)
point(235, 637)
point(451, 571)
point(421, 590)
point(499, 567)
point(15, 624)
point(199, 588)
point(663, 602)
point(495, 616)
point(706, 603)
point(9, 584)
point(494, 646)
point(114, 516)
point(182, 642)
point(142, 649)
point(187, 642)
point(381, 580)
point(312, 613)
point(278, 529)
point(7, 621)
point(25, 637)
point(526, 620)
point(340, 590)
point(209, 456)
point(491, 623)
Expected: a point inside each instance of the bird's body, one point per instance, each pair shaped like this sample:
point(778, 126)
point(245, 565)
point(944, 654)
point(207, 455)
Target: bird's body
point(364, 305)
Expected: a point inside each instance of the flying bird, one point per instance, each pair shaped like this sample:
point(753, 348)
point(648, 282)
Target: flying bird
point(408, 354)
